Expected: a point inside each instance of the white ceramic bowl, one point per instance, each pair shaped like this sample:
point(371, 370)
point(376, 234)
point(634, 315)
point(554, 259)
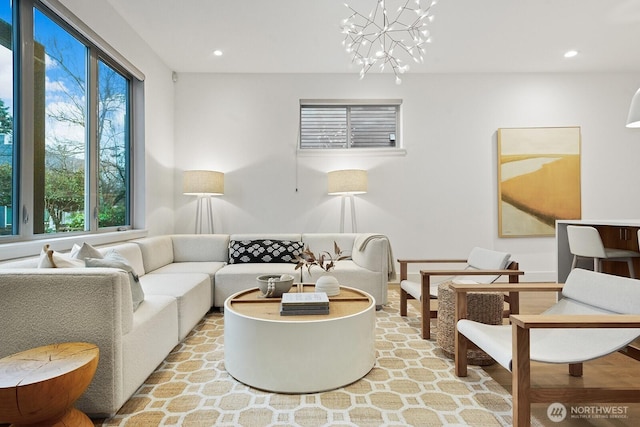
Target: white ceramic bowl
point(281, 284)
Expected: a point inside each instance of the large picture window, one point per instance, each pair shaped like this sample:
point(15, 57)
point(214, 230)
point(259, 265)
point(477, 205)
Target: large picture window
point(75, 150)
point(349, 124)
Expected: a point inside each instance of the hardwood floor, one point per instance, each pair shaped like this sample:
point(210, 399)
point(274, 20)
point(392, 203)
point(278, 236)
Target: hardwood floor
point(614, 370)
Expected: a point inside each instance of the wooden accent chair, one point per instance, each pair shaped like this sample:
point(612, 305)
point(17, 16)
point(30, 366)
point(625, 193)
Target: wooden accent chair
point(597, 315)
point(483, 265)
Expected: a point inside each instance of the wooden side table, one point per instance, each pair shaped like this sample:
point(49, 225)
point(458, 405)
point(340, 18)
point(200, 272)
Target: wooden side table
point(39, 386)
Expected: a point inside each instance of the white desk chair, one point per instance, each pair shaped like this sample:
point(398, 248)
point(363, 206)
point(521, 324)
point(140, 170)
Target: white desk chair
point(585, 242)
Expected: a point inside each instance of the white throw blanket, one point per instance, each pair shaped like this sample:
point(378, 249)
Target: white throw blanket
point(392, 264)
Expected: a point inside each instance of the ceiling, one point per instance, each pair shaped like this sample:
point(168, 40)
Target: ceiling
point(304, 36)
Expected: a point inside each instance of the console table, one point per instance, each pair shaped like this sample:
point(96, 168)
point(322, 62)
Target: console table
point(621, 234)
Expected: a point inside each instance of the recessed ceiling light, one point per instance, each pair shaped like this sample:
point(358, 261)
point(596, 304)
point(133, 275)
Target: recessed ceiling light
point(217, 52)
point(570, 53)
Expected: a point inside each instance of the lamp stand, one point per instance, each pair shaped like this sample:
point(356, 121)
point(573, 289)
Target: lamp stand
point(199, 216)
point(354, 226)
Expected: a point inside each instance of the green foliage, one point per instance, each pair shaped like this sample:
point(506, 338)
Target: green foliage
point(6, 121)
point(6, 179)
point(111, 216)
point(64, 193)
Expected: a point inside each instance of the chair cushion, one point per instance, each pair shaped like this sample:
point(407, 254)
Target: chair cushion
point(415, 289)
point(548, 345)
point(486, 259)
point(616, 294)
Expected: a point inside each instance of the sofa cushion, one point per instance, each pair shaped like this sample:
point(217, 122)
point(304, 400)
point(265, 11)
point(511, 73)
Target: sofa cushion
point(238, 277)
point(113, 259)
point(131, 252)
point(156, 252)
point(193, 292)
point(264, 251)
point(200, 247)
point(325, 242)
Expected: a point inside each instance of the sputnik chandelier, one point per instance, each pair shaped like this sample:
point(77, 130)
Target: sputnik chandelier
point(378, 38)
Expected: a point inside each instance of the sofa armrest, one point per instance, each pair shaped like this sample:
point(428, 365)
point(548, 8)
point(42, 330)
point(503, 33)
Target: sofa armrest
point(404, 264)
point(532, 321)
point(44, 306)
point(372, 253)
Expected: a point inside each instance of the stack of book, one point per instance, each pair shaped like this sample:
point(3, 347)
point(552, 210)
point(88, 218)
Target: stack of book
point(295, 304)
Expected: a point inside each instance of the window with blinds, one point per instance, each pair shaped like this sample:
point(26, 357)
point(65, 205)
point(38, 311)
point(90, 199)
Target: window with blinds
point(349, 125)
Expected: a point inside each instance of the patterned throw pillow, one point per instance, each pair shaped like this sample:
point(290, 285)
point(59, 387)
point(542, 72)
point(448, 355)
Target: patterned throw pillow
point(260, 251)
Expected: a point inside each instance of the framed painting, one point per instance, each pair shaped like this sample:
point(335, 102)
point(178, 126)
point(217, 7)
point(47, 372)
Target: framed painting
point(538, 179)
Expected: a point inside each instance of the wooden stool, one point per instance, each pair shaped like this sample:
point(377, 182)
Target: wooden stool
point(39, 386)
point(483, 307)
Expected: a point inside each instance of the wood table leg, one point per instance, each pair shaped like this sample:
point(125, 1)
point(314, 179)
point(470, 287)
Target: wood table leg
point(521, 377)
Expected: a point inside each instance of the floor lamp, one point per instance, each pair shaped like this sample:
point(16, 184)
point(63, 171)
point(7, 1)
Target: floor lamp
point(203, 184)
point(346, 183)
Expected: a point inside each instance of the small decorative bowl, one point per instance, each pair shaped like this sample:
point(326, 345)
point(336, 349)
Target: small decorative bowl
point(274, 285)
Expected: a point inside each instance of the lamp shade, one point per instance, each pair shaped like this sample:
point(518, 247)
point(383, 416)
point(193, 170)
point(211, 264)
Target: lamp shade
point(349, 181)
point(202, 182)
point(633, 120)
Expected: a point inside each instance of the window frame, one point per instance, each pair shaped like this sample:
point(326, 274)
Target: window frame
point(23, 108)
point(348, 149)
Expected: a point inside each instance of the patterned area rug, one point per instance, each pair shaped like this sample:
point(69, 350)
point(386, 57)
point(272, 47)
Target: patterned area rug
point(411, 384)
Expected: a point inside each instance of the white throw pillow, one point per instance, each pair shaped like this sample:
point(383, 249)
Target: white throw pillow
point(51, 259)
point(114, 259)
point(84, 251)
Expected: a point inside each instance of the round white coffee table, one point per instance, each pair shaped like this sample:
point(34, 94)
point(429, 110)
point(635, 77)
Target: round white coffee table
point(299, 354)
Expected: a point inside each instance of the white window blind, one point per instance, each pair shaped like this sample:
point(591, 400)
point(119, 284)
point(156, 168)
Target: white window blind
point(349, 126)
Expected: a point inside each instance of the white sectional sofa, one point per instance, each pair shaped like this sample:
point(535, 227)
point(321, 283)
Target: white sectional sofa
point(182, 276)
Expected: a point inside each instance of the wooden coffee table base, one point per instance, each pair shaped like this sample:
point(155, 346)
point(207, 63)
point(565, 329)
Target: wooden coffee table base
point(38, 387)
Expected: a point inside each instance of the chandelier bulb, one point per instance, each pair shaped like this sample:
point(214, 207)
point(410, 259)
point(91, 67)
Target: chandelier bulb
point(387, 30)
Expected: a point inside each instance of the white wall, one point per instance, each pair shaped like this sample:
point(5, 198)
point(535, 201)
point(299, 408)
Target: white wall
point(156, 182)
point(440, 199)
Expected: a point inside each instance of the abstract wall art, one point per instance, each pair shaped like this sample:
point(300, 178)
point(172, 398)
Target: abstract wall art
point(538, 179)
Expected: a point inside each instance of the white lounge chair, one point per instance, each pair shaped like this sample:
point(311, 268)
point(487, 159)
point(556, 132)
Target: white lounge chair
point(483, 265)
point(597, 315)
